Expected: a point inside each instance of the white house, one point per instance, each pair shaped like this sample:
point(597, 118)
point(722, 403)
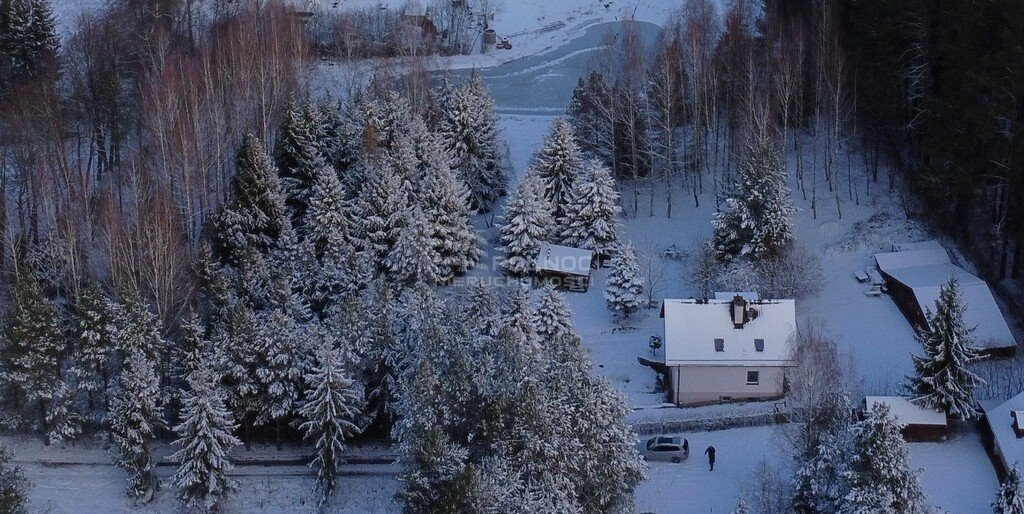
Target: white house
point(728, 350)
point(914, 274)
point(564, 266)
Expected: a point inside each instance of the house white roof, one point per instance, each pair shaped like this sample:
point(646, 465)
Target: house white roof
point(564, 259)
point(927, 269)
point(1000, 419)
point(691, 327)
point(729, 295)
point(907, 413)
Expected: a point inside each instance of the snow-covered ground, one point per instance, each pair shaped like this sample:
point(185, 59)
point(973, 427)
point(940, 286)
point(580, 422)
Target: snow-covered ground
point(956, 475)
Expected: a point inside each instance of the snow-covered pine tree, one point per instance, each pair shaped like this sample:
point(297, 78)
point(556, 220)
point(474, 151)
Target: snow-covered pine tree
point(381, 207)
point(255, 219)
point(206, 438)
point(298, 155)
point(552, 319)
point(192, 348)
point(557, 165)
point(331, 133)
point(591, 218)
point(526, 227)
point(880, 477)
point(380, 361)
point(757, 221)
point(624, 292)
point(470, 131)
point(333, 402)
point(29, 43)
point(32, 356)
point(93, 345)
point(135, 416)
point(414, 258)
point(445, 203)
point(135, 327)
point(331, 269)
point(943, 380)
point(13, 485)
point(281, 353)
point(1010, 499)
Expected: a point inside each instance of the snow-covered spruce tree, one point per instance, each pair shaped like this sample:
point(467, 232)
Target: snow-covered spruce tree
point(280, 350)
point(381, 357)
point(1010, 499)
point(298, 155)
point(525, 228)
point(331, 267)
point(135, 327)
point(415, 258)
point(192, 349)
point(331, 131)
point(30, 42)
point(943, 381)
point(135, 416)
point(591, 217)
point(255, 219)
point(624, 292)
point(33, 351)
point(757, 221)
point(445, 202)
point(470, 131)
point(13, 485)
point(206, 437)
point(880, 477)
point(382, 207)
point(93, 344)
point(557, 165)
point(333, 402)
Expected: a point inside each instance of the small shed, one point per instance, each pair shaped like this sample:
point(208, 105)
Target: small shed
point(919, 423)
point(914, 274)
point(565, 267)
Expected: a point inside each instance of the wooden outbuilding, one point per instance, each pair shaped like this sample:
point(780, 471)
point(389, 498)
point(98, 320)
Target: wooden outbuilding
point(918, 423)
point(564, 267)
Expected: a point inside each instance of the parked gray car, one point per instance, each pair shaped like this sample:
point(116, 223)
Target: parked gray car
point(669, 449)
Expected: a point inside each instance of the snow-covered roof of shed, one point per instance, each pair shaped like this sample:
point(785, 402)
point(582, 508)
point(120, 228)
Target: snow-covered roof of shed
point(891, 261)
point(564, 259)
point(926, 270)
point(907, 413)
point(1000, 421)
point(930, 244)
point(981, 313)
point(729, 295)
point(691, 327)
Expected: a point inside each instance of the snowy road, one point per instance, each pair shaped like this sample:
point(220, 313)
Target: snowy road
point(542, 84)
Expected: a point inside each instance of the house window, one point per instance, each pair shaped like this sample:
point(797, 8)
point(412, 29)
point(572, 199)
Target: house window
point(719, 345)
point(759, 345)
point(753, 377)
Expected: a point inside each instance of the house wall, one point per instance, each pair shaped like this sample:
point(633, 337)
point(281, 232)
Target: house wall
point(695, 385)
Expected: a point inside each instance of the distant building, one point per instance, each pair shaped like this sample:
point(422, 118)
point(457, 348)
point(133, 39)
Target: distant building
point(1004, 433)
point(727, 350)
point(565, 267)
point(915, 272)
point(918, 423)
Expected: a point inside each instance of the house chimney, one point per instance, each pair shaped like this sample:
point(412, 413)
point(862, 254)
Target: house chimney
point(738, 309)
point(1018, 418)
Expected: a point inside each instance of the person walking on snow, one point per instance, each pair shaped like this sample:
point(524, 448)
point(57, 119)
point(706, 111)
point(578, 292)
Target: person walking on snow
point(710, 452)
